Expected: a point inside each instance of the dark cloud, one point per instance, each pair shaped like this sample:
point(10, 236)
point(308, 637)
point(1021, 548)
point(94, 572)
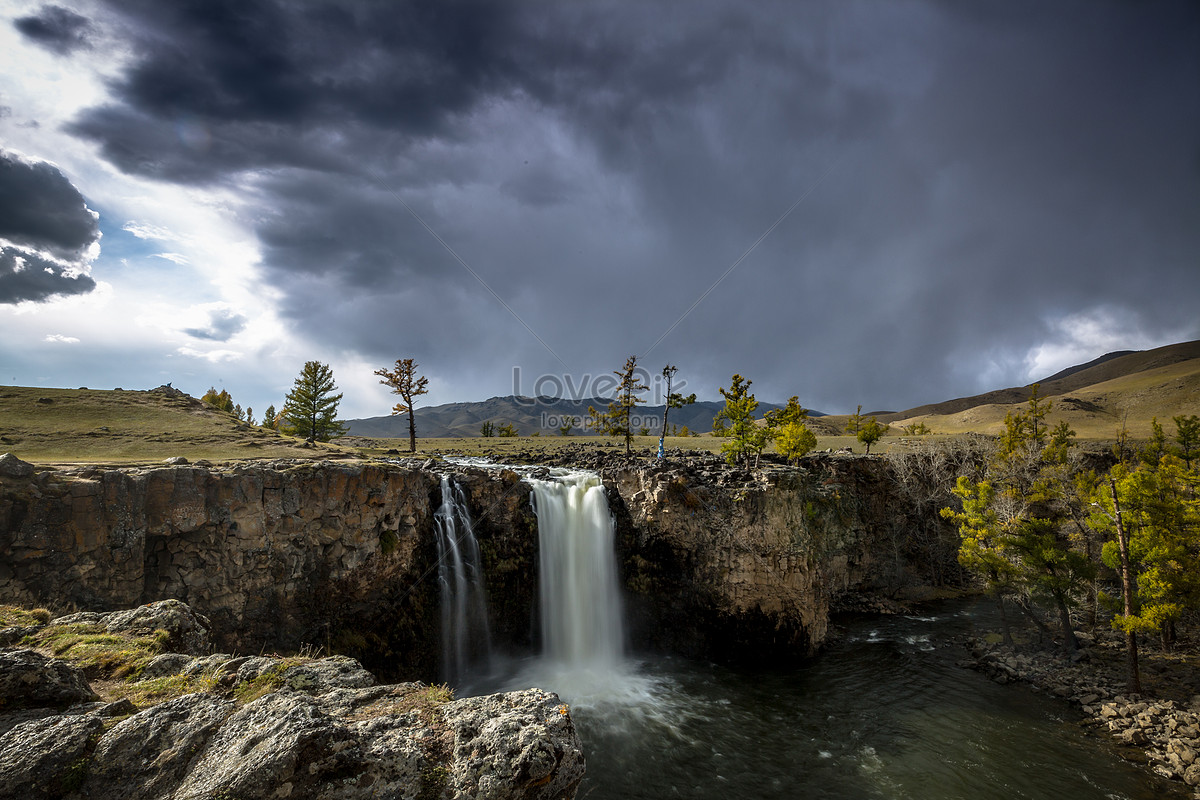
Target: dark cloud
point(40, 208)
point(57, 28)
point(28, 276)
point(277, 83)
point(961, 178)
point(46, 232)
point(223, 325)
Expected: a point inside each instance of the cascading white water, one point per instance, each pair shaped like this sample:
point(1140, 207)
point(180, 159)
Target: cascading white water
point(466, 640)
point(582, 629)
point(580, 604)
point(583, 640)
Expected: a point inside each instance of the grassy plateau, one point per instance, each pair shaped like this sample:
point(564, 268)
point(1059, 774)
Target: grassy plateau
point(85, 426)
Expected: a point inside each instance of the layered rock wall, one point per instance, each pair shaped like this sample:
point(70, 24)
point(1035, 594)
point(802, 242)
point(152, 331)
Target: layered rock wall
point(720, 561)
point(278, 555)
point(714, 560)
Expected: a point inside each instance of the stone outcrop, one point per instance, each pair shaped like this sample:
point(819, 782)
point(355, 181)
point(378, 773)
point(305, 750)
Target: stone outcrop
point(188, 632)
point(269, 728)
point(29, 679)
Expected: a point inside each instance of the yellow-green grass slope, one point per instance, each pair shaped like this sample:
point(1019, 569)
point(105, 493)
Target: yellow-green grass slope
point(1097, 411)
point(91, 426)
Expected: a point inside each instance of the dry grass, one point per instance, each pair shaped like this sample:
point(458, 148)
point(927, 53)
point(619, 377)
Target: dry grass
point(74, 426)
point(15, 617)
point(99, 653)
point(114, 662)
point(406, 698)
point(1096, 412)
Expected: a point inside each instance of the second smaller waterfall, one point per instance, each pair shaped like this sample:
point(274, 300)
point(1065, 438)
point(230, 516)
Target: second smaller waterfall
point(466, 640)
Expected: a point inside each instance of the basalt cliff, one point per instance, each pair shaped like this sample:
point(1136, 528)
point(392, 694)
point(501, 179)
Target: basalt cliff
point(279, 555)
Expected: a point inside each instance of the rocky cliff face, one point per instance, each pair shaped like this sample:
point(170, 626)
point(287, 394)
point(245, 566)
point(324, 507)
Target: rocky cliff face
point(725, 562)
point(277, 554)
point(715, 560)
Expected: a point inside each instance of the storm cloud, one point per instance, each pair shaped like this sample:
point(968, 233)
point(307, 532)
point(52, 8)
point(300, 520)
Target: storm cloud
point(223, 324)
point(47, 232)
point(943, 183)
point(57, 28)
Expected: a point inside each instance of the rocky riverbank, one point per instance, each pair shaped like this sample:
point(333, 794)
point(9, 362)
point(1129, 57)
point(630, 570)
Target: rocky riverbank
point(1159, 727)
point(137, 707)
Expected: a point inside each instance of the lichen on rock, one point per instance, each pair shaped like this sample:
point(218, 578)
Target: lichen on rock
point(264, 727)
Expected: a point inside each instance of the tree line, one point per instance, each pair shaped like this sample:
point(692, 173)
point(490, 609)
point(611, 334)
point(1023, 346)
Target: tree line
point(310, 412)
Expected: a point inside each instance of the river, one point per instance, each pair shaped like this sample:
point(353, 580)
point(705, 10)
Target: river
point(882, 712)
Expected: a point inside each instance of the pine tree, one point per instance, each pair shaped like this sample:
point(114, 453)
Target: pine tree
point(1014, 524)
point(871, 432)
point(222, 401)
point(1157, 446)
point(854, 424)
point(405, 382)
point(792, 412)
point(1187, 435)
point(270, 418)
point(1037, 414)
point(736, 422)
point(310, 409)
point(982, 542)
point(618, 421)
point(1160, 520)
point(795, 440)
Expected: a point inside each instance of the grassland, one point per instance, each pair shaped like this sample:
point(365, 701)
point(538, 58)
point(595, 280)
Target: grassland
point(1098, 411)
point(500, 447)
point(88, 426)
point(81, 426)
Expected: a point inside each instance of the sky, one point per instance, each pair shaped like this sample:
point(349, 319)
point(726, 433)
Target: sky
point(875, 202)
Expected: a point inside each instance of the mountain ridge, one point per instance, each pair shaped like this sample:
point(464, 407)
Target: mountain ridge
point(546, 414)
point(543, 414)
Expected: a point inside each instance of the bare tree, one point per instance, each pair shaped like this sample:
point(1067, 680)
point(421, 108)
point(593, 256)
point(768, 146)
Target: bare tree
point(406, 383)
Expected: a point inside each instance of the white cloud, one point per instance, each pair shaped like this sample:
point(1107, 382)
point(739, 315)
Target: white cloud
point(174, 258)
point(1079, 338)
point(58, 337)
point(211, 356)
point(144, 230)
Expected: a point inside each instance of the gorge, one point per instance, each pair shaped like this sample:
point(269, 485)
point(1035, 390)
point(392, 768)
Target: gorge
point(714, 565)
point(288, 553)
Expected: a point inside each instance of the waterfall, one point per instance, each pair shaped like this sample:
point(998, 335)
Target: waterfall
point(466, 641)
point(580, 601)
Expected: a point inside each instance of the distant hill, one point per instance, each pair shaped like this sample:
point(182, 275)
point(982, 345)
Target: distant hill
point(1124, 389)
point(1105, 368)
point(529, 414)
point(118, 426)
